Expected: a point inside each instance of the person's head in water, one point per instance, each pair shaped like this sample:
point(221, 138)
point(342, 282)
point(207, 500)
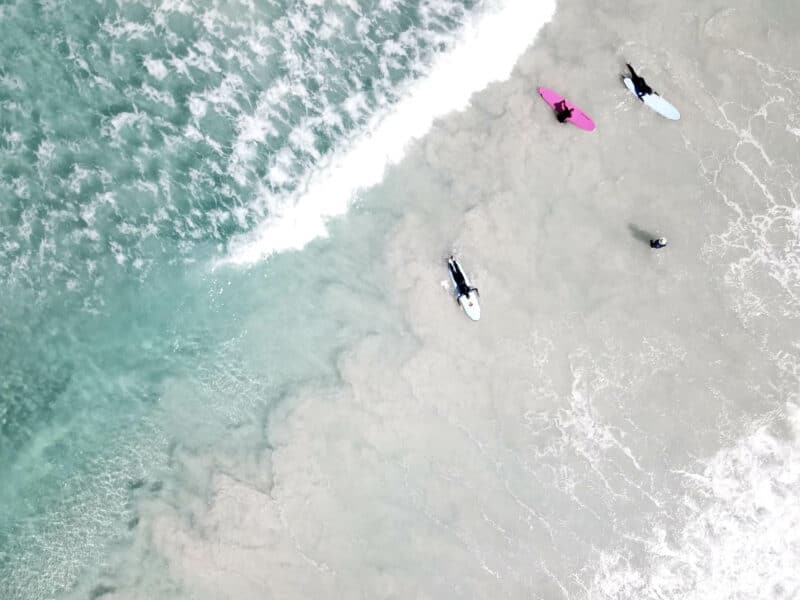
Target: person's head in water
point(658, 243)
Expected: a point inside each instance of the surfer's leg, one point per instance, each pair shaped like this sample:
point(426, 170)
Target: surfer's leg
point(461, 285)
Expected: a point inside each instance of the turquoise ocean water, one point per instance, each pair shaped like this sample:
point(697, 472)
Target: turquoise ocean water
point(136, 140)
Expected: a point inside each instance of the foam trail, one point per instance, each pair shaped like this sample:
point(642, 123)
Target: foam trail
point(487, 51)
point(740, 539)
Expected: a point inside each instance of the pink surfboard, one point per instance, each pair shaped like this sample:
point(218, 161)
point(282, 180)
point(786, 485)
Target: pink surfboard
point(578, 118)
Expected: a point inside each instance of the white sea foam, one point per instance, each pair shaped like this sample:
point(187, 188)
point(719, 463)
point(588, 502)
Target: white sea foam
point(742, 535)
point(156, 68)
point(763, 231)
point(486, 51)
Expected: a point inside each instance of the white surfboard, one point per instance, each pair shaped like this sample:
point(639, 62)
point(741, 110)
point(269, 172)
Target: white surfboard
point(468, 302)
point(654, 101)
point(470, 305)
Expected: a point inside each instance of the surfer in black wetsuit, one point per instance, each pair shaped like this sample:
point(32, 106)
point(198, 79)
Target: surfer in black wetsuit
point(642, 89)
point(562, 112)
point(659, 243)
point(462, 288)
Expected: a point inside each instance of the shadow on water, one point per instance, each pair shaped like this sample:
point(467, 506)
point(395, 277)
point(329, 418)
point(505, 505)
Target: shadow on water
point(100, 591)
point(641, 234)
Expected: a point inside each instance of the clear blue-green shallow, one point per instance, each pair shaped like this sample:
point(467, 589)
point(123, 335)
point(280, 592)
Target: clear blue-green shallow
point(136, 138)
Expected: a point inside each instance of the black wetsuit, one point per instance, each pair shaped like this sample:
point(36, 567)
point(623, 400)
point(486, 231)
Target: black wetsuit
point(658, 243)
point(562, 112)
point(461, 283)
point(642, 89)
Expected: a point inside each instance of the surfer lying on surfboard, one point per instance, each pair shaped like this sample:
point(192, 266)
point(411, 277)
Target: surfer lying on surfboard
point(562, 112)
point(462, 288)
point(642, 89)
